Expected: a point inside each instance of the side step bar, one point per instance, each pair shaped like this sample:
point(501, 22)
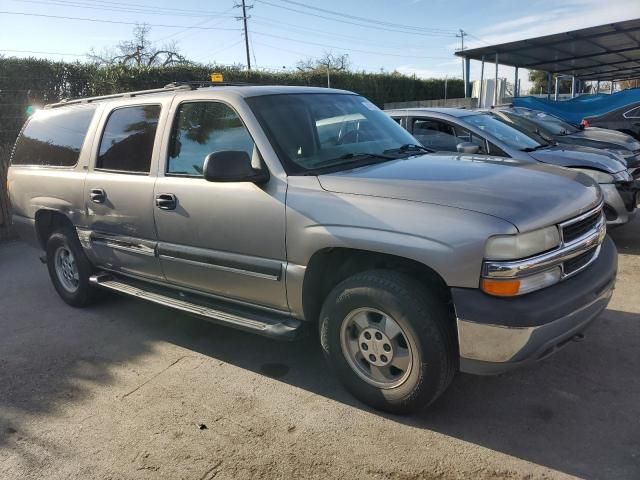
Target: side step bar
point(252, 320)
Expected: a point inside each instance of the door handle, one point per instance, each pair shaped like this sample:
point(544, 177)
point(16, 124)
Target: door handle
point(98, 195)
point(166, 201)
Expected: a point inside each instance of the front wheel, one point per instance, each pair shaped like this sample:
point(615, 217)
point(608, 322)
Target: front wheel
point(70, 269)
point(390, 340)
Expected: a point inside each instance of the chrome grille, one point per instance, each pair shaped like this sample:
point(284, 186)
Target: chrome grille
point(577, 228)
point(575, 264)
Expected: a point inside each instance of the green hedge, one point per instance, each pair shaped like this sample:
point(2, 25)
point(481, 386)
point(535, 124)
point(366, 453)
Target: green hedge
point(25, 82)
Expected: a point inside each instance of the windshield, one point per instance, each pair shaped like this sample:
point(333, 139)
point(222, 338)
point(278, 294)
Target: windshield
point(319, 130)
point(526, 125)
point(508, 134)
point(554, 125)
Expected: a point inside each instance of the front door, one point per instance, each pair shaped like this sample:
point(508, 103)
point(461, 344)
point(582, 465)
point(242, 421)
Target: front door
point(119, 194)
point(225, 239)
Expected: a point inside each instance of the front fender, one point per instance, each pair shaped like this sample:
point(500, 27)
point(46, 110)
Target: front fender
point(448, 240)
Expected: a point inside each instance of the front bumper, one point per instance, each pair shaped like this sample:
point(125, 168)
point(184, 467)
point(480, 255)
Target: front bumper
point(499, 334)
point(620, 203)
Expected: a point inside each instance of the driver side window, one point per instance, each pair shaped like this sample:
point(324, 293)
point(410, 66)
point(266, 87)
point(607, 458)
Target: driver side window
point(201, 128)
point(435, 135)
point(442, 136)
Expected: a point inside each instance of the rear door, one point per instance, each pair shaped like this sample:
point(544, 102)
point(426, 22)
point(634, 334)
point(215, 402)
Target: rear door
point(119, 191)
point(224, 239)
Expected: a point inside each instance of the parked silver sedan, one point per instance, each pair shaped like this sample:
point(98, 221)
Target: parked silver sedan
point(483, 132)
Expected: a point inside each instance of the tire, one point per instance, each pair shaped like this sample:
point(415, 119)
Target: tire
point(74, 287)
point(363, 304)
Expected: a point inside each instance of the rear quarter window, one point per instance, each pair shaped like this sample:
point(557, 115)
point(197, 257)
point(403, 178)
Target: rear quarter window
point(54, 137)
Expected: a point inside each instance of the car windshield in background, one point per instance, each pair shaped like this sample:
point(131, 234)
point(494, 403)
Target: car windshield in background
point(499, 129)
point(328, 131)
point(553, 125)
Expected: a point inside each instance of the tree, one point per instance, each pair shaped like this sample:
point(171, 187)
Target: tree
point(538, 80)
point(327, 62)
point(140, 52)
point(624, 84)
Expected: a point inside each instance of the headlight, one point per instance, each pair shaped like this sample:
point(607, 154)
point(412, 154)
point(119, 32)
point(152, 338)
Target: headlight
point(522, 245)
point(597, 175)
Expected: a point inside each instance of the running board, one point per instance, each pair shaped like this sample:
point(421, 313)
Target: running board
point(251, 320)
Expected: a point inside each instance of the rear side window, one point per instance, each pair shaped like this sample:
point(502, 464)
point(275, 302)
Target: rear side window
point(127, 140)
point(54, 137)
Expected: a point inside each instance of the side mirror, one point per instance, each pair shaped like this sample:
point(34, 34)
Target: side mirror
point(468, 147)
point(232, 166)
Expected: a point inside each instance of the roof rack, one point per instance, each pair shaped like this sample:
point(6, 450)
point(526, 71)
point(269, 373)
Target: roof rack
point(191, 85)
point(197, 84)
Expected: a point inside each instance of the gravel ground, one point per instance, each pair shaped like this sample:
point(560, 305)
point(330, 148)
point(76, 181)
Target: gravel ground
point(128, 389)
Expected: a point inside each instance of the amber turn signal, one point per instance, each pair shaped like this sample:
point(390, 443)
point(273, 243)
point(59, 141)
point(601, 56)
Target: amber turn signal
point(500, 288)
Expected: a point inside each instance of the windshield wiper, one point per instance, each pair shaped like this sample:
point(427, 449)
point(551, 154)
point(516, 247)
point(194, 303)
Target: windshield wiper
point(354, 159)
point(409, 147)
point(533, 149)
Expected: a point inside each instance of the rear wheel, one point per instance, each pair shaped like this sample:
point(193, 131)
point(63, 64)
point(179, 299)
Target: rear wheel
point(390, 340)
point(70, 269)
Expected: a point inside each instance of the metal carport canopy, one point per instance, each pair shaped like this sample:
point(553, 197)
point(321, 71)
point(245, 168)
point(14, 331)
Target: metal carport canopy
point(605, 52)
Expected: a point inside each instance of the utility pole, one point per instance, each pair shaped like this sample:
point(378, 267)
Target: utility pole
point(461, 36)
point(244, 18)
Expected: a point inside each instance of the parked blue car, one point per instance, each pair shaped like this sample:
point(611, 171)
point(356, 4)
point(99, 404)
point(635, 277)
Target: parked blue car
point(576, 109)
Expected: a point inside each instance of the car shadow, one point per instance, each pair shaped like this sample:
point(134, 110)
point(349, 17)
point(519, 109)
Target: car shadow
point(576, 412)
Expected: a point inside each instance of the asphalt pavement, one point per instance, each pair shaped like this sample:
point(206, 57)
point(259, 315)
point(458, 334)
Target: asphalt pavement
point(127, 389)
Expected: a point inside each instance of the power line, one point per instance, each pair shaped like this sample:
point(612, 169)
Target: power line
point(478, 38)
point(227, 47)
point(377, 27)
point(113, 8)
point(349, 49)
point(197, 25)
point(61, 17)
point(45, 53)
point(367, 20)
point(146, 6)
point(259, 19)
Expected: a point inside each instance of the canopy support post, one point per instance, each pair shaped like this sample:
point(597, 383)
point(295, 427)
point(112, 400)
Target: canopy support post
point(515, 84)
point(495, 86)
point(481, 90)
point(548, 85)
point(573, 86)
point(597, 87)
point(555, 96)
point(467, 76)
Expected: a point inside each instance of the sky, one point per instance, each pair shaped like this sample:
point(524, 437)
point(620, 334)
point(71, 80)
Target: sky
point(410, 36)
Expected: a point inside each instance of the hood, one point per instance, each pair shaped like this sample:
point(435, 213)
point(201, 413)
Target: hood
point(618, 140)
point(529, 195)
point(577, 156)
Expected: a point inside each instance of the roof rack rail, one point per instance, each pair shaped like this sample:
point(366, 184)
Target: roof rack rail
point(187, 85)
point(74, 101)
point(206, 83)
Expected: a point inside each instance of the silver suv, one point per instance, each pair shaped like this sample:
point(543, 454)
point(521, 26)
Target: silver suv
point(272, 209)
